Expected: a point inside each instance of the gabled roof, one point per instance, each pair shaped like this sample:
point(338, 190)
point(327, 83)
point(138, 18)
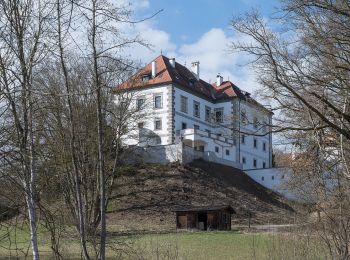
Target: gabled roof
point(183, 77)
point(206, 208)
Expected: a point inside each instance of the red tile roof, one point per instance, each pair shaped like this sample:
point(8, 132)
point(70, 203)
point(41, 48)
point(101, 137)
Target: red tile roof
point(184, 78)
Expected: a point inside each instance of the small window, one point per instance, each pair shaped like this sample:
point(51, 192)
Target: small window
point(145, 77)
point(196, 127)
point(256, 123)
point(243, 117)
point(264, 146)
point(255, 143)
point(158, 124)
point(140, 103)
point(264, 126)
point(244, 160)
point(208, 131)
point(227, 152)
point(184, 126)
point(254, 163)
point(216, 149)
point(272, 177)
point(264, 165)
point(184, 106)
point(158, 101)
point(140, 125)
point(207, 113)
point(262, 178)
point(219, 115)
point(196, 109)
point(282, 176)
point(243, 139)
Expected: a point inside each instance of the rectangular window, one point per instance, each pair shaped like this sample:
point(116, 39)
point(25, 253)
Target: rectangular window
point(243, 117)
point(140, 103)
point(207, 113)
point(254, 163)
point(264, 164)
point(216, 149)
point(264, 126)
point(140, 125)
point(158, 101)
point(244, 160)
point(196, 127)
point(208, 131)
point(227, 152)
point(262, 178)
point(264, 146)
point(184, 126)
point(219, 115)
point(196, 109)
point(184, 107)
point(158, 124)
point(255, 143)
point(243, 139)
point(272, 177)
point(256, 123)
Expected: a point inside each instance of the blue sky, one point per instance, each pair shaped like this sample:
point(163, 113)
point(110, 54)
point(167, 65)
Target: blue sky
point(198, 30)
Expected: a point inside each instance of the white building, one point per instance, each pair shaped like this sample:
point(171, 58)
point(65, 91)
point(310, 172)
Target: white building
point(175, 108)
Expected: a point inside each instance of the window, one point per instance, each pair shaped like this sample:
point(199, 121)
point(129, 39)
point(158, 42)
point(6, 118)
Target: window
point(243, 139)
point(264, 126)
point(243, 117)
point(272, 177)
point(216, 149)
point(196, 109)
point(243, 160)
point(145, 77)
point(264, 146)
point(184, 107)
point(140, 125)
point(256, 123)
point(255, 143)
point(140, 103)
point(184, 126)
point(254, 163)
point(262, 178)
point(207, 113)
point(158, 124)
point(158, 101)
point(282, 176)
point(219, 115)
point(208, 131)
point(227, 152)
point(264, 165)
point(196, 127)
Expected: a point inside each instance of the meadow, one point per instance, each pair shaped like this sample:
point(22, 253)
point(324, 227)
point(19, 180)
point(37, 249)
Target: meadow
point(181, 245)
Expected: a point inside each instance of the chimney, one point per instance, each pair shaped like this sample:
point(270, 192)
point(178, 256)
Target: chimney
point(195, 69)
point(154, 69)
point(219, 80)
point(172, 62)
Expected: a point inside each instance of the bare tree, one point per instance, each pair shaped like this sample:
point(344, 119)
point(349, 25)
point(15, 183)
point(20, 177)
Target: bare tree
point(22, 29)
point(303, 65)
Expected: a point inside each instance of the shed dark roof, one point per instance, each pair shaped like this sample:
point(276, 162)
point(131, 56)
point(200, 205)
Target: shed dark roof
point(206, 208)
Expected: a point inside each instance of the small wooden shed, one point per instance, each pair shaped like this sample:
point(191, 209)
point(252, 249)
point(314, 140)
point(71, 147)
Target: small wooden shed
point(204, 218)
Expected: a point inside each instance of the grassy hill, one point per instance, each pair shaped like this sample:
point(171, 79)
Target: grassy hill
point(145, 196)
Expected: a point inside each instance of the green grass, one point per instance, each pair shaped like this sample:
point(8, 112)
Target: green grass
point(182, 245)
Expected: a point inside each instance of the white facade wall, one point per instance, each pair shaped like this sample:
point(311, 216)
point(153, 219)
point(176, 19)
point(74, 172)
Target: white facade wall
point(213, 145)
point(172, 119)
point(274, 179)
point(247, 149)
point(147, 115)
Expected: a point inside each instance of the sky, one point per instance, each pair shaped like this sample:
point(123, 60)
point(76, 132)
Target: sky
point(197, 30)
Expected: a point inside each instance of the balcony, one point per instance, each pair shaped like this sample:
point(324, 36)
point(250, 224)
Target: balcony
point(198, 136)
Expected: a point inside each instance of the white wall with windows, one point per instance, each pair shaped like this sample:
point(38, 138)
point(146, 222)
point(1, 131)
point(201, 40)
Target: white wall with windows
point(255, 149)
point(149, 124)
